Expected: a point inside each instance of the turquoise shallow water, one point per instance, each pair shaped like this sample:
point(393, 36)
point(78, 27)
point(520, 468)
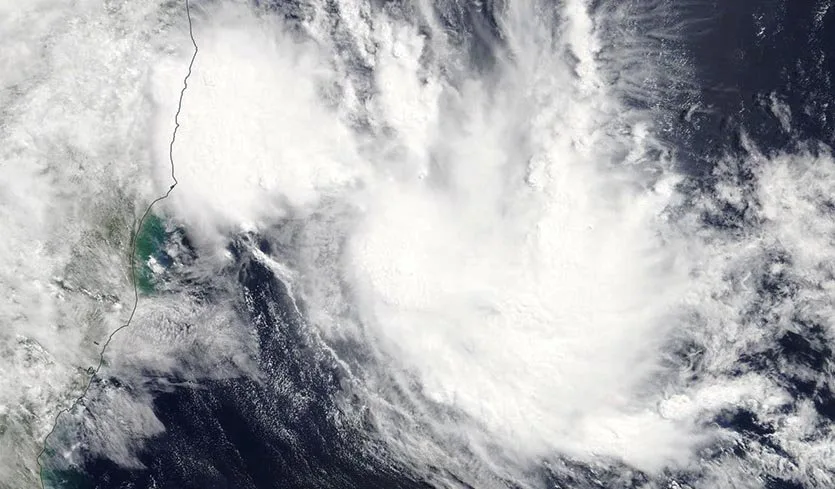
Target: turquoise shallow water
point(67, 479)
point(149, 244)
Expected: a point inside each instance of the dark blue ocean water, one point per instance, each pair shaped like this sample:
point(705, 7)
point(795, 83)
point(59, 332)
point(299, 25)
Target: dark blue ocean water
point(755, 53)
point(276, 433)
point(752, 51)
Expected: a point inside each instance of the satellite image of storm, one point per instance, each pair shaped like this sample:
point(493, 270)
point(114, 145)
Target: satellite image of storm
point(402, 244)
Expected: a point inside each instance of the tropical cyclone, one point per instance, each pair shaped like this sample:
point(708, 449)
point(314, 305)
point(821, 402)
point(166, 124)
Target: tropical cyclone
point(522, 244)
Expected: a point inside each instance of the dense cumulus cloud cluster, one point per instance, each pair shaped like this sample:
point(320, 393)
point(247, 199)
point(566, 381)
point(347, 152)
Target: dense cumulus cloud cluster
point(483, 220)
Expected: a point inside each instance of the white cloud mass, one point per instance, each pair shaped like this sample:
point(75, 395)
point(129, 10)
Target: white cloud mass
point(512, 243)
